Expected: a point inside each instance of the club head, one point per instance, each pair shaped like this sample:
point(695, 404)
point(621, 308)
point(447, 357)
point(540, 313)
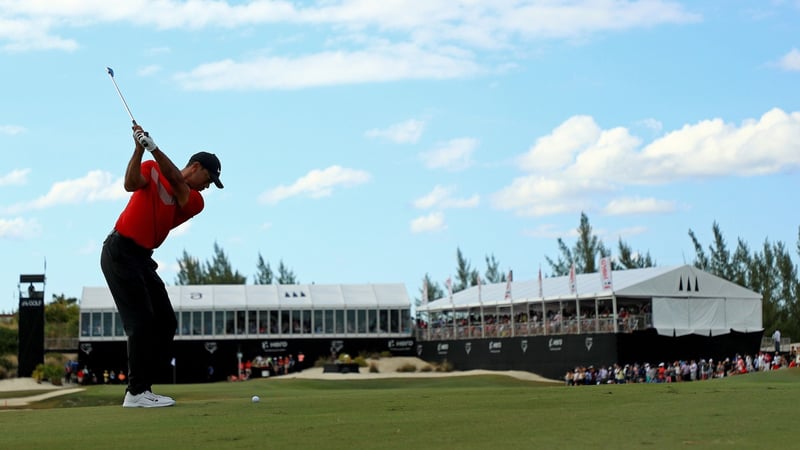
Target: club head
point(110, 71)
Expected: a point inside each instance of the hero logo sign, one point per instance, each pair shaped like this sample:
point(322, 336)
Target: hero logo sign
point(554, 344)
point(524, 345)
point(274, 346)
point(419, 349)
point(442, 348)
point(589, 342)
point(468, 347)
point(86, 348)
point(495, 346)
point(211, 347)
point(402, 344)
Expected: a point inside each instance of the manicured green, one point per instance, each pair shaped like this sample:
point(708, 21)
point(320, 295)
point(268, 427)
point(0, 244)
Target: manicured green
point(481, 412)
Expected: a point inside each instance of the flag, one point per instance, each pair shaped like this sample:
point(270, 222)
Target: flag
point(541, 291)
point(449, 283)
point(573, 285)
point(508, 285)
point(478, 281)
point(605, 273)
point(424, 291)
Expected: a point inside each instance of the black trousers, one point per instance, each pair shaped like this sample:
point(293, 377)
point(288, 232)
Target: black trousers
point(144, 307)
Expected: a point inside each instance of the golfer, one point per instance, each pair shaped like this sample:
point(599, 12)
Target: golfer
point(163, 197)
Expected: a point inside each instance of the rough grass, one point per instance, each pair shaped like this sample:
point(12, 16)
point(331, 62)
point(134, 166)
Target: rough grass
point(752, 411)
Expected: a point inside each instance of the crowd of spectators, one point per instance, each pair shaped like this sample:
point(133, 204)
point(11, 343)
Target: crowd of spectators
point(678, 371)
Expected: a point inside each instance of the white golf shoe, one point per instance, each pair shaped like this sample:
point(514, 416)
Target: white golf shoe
point(146, 400)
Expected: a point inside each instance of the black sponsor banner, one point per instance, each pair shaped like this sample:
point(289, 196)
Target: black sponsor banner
point(548, 356)
point(31, 332)
point(216, 359)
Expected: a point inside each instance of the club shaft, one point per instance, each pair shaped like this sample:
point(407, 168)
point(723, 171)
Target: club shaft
point(124, 103)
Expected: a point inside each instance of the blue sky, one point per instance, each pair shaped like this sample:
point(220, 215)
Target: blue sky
point(365, 141)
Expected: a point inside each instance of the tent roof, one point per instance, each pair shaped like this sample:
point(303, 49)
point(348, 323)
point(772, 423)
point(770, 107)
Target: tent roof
point(269, 296)
point(673, 281)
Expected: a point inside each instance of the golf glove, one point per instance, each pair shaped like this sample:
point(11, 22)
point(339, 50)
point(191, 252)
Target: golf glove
point(147, 142)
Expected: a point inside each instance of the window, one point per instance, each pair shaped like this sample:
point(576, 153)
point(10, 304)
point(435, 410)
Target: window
point(252, 322)
point(362, 320)
point(383, 326)
point(328, 321)
point(97, 324)
point(241, 322)
point(306, 321)
point(184, 323)
point(86, 324)
point(208, 323)
point(286, 321)
point(351, 321)
point(197, 323)
point(263, 322)
point(119, 329)
point(219, 322)
point(339, 321)
point(318, 321)
point(274, 322)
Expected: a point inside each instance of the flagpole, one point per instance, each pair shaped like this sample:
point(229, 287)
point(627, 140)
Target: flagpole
point(480, 302)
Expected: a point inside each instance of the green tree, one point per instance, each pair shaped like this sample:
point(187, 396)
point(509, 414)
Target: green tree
point(628, 259)
point(219, 270)
point(61, 317)
point(465, 275)
point(770, 272)
point(285, 275)
point(493, 273)
point(190, 271)
point(587, 251)
point(264, 274)
point(435, 291)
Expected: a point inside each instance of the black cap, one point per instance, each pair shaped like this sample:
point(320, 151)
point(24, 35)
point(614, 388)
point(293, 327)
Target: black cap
point(210, 162)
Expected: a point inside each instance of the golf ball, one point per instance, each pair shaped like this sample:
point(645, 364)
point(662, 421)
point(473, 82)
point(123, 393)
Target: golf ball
point(256, 399)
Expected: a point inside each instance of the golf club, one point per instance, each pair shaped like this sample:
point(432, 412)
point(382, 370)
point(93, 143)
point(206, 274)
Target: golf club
point(111, 74)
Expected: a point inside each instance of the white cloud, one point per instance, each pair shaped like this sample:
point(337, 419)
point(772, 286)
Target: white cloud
point(453, 155)
point(635, 205)
point(430, 223)
point(150, 70)
point(372, 65)
point(95, 186)
point(407, 132)
point(484, 24)
point(16, 177)
point(580, 162)
point(317, 183)
point(442, 197)
point(790, 61)
point(19, 228)
point(11, 129)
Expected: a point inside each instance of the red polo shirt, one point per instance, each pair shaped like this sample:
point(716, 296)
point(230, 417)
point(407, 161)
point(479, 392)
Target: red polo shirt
point(153, 210)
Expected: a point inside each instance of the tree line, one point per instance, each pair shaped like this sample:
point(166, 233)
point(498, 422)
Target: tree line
point(767, 269)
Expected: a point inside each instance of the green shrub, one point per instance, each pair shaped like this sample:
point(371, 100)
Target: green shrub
point(386, 354)
point(48, 372)
point(373, 368)
point(407, 367)
point(3, 373)
point(361, 361)
point(426, 368)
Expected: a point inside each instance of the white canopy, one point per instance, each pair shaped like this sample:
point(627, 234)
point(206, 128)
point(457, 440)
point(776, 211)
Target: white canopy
point(268, 297)
point(685, 299)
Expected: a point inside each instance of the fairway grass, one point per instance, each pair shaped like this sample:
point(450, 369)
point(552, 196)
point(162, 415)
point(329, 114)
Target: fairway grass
point(480, 412)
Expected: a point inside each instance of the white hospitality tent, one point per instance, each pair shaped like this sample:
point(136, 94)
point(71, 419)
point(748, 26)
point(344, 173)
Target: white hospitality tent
point(684, 299)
